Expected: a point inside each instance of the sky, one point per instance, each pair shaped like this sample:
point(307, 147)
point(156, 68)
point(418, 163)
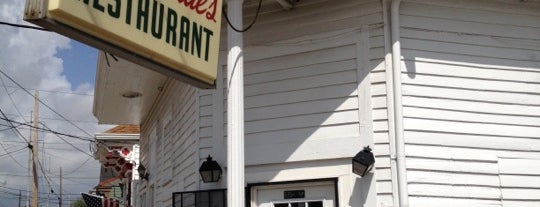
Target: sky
point(63, 71)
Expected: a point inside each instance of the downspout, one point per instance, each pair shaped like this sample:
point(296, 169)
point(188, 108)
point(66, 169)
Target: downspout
point(398, 106)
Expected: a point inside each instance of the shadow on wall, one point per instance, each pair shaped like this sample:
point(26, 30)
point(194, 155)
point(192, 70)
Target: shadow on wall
point(361, 188)
point(301, 91)
point(303, 108)
point(301, 88)
point(299, 102)
point(470, 92)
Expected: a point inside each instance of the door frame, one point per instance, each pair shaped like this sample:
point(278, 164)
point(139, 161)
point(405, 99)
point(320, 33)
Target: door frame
point(250, 187)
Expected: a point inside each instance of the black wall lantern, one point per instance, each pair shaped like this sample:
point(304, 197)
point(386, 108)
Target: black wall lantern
point(142, 172)
point(210, 170)
point(363, 162)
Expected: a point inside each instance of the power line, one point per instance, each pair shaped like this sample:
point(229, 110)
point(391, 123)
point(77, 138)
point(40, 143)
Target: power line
point(79, 167)
point(58, 148)
point(50, 91)
point(9, 127)
point(12, 152)
point(60, 157)
point(52, 181)
point(45, 175)
point(27, 191)
point(10, 155)
point(44, 104)
point(57, 134)
point(249, 26)
point(12, 144)
point(42, 141)
point(24, 26)
point(71, 179)
point(11, 99)
point(89, 139)
point(80, 150)
point(13, 126)
point(5, 125)
point(54, 119)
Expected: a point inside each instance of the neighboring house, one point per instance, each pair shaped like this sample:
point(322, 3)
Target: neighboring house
point(319, 85)
point(109, 188)
point(117, 150)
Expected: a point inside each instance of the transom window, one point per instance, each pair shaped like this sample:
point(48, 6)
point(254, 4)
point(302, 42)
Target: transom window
point(202, 198)
point(300, 204)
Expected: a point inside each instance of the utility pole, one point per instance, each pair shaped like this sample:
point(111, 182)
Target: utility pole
point(19, 198)
point(60, 197)
point(48, 183)
point(49, 195)
point(29, 179)
point(35, 154)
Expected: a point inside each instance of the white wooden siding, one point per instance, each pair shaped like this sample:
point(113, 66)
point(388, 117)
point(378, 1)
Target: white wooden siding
point(471, 77)
point(205, 123)
point(301, 93)
point(173, 121)
point(208, 130)
point(301, 86)
point(185, 137)
point(292, 109)
point(520, 180)
point(300, 89)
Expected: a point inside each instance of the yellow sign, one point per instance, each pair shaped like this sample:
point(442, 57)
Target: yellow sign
point(180, 34)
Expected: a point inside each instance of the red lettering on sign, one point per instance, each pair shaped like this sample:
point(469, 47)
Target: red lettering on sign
point(202, 7)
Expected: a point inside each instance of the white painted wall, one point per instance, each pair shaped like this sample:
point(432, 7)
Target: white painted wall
point(171, 154)
point(316, 90)
point(471, 78)
point(308, 90)
point(310, 86)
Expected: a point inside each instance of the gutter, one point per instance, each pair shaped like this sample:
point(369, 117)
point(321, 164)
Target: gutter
point(399, 141)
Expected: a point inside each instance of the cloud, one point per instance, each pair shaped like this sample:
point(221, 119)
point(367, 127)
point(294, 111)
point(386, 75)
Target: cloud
point(30, 57)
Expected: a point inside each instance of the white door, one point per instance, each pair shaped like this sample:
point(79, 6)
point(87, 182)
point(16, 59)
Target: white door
point(313, 194)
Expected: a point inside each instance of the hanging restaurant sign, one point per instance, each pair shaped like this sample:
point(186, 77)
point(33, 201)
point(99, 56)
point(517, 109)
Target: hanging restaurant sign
point(179, 38)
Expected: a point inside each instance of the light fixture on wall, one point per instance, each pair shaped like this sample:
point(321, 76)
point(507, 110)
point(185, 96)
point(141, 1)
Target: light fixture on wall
point(131, 94)
point(143, 175)
point(363, 162)
point(210, 170)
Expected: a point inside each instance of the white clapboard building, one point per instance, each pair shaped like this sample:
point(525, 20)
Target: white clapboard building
point(445, 92)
